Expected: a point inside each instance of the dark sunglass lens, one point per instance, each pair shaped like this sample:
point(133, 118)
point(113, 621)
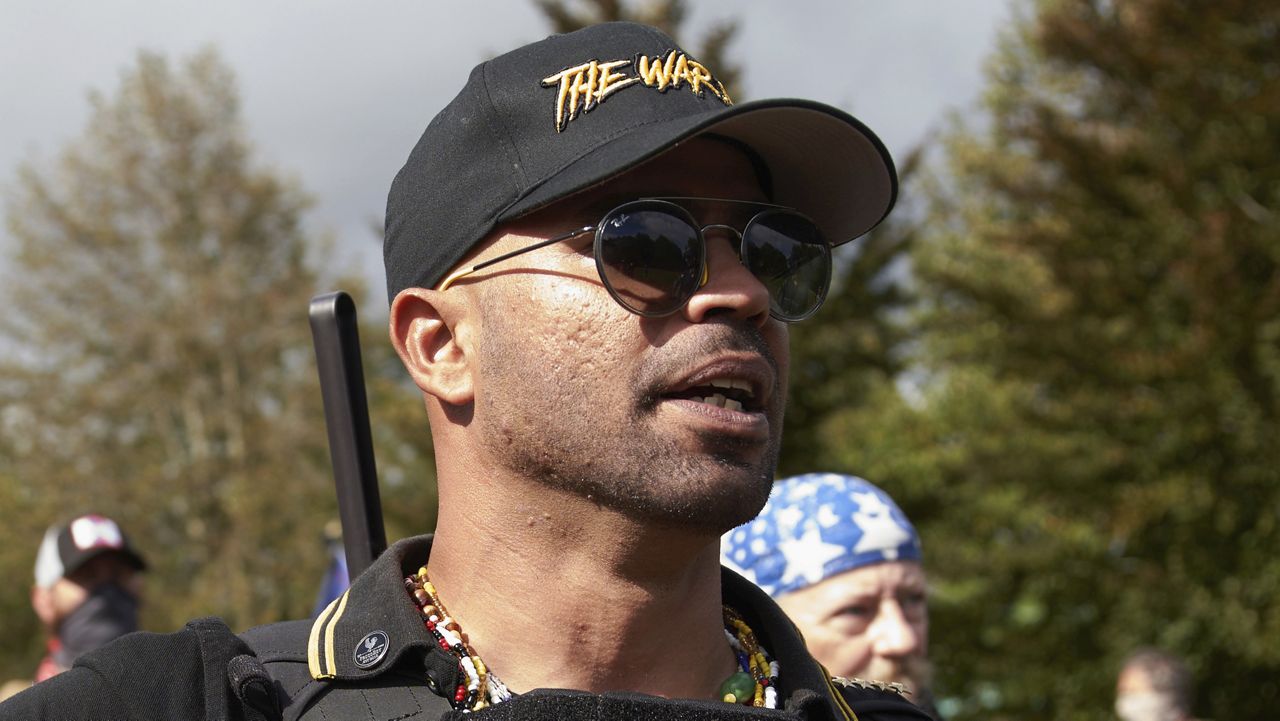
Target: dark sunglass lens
point(788, 254)
point(649, 256)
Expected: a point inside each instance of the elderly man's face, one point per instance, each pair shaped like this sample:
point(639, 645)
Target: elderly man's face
point(871, 622)
point(576, 391)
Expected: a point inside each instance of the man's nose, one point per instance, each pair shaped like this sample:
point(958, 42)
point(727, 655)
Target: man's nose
point(730, 288)
point(891, 634)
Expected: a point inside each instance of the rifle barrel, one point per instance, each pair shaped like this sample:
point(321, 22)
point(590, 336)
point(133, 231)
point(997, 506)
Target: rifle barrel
point(335, 333)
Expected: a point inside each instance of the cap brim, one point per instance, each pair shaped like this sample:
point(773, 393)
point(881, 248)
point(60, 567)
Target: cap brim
point(130, 556)
point(823, 162)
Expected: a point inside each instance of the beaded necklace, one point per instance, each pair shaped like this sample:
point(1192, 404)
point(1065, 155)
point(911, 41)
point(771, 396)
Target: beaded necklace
point(754, 685)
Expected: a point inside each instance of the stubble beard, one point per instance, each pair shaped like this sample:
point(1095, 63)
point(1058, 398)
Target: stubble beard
point(556, 439)
point(663, 487)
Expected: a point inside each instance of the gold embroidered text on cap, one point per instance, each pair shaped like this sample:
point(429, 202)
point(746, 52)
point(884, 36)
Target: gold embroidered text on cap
point(583, 87)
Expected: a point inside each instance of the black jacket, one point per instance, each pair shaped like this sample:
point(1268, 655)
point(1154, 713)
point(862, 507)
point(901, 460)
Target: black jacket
point(367, 657)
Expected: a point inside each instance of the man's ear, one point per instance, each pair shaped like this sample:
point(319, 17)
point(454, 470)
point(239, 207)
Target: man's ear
point(424, 330)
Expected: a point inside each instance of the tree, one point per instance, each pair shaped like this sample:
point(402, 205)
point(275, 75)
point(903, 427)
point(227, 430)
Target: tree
point(852, 352)
point(21, 631)
point(1094, 454)
point(401, 439)
point(666, 15)
point(161, 369)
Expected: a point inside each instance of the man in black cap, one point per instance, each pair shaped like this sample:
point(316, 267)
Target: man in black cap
point(87, 589)
point(592, 256)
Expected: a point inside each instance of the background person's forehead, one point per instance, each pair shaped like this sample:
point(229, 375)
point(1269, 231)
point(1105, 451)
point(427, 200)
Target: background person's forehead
point(873, 578)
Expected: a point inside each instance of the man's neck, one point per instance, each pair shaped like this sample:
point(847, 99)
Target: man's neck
point(554, 592)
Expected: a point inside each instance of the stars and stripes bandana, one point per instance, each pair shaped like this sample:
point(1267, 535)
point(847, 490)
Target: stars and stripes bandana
point(816, 526)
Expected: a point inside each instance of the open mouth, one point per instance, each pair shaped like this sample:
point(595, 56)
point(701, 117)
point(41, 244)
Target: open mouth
point(733, 394)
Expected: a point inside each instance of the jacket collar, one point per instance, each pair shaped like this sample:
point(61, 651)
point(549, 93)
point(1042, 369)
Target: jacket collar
point(375, 623)
point(802, 681)
point(367, 629)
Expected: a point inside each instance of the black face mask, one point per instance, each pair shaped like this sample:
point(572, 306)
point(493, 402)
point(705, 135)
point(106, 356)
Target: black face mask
point(108, 613)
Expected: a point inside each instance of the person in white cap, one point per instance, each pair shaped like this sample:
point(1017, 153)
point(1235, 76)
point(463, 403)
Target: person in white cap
point(87, 589)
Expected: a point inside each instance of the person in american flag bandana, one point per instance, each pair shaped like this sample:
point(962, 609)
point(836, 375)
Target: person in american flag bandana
point(844, 562)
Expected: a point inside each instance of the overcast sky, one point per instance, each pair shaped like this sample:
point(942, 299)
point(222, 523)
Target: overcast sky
point(335, 93)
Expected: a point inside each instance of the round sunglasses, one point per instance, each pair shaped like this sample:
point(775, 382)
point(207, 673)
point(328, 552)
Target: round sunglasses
point(652, 256)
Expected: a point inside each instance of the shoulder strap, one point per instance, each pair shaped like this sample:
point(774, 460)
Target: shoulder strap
point(282, 649)
point(400, 692)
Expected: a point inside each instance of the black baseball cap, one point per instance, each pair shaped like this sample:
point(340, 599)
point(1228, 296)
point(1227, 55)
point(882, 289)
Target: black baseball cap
point(561, 115)
point(67, 547)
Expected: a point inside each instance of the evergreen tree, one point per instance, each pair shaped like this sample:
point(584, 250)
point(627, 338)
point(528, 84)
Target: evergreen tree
point(850, 354)
point(1095, 453)
point(161, 368)
point(666, 15)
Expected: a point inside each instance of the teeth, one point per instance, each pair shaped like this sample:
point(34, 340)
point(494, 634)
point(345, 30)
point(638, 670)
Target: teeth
point(740, 389)
point(716, 399)
point(732, 383)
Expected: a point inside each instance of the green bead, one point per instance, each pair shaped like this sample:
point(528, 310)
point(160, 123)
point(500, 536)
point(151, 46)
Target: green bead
point(738, 688)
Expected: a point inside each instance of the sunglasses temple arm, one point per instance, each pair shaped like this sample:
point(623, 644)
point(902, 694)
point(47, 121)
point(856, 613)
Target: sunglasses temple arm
point(444, 285)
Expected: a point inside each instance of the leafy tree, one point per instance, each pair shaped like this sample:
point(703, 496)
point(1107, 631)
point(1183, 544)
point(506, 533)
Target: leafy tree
point(161, 363)
point(1094, 453)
